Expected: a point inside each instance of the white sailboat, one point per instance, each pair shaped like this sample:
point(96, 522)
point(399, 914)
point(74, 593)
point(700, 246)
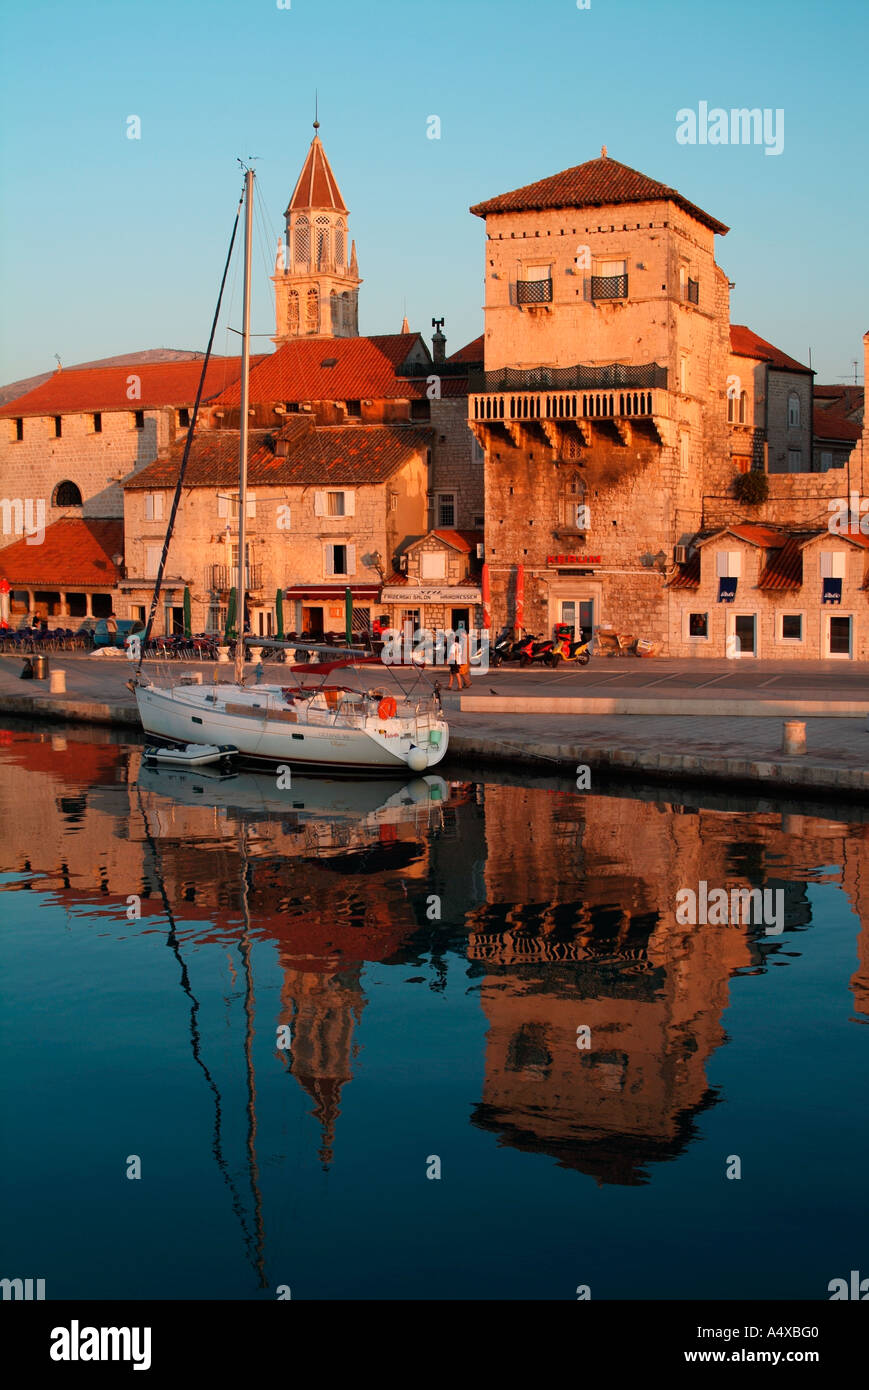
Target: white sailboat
point(335, 728)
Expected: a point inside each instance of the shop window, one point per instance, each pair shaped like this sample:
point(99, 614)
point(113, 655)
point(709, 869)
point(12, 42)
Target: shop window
point(791, 627)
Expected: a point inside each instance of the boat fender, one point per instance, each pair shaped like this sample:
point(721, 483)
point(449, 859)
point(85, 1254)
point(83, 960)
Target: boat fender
point(387, 707)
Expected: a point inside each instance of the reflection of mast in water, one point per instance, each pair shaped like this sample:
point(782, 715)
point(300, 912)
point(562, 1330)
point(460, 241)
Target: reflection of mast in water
point(195, 1045)
point(244, 952)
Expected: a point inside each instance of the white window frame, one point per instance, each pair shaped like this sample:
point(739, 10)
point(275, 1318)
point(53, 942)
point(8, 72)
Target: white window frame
point(690, 636)
point(153, 506)
point(329, 569)
point(321, 503)
point(224, 506)
point(779, 628)
point(250, 505)
point(445, 525)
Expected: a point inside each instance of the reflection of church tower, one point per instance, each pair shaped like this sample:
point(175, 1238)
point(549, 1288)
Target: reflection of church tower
point(316, 286)
point(323, 1009)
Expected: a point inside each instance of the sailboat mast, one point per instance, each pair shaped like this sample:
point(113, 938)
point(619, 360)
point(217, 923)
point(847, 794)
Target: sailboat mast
point(243, 428)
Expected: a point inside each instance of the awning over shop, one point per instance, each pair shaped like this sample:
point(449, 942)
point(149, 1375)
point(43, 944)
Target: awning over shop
point(362, 593)
point(415, 593)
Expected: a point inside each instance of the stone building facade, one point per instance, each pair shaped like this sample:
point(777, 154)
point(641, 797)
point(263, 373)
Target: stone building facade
point(437, 588)
point(619, 407)
point(755, 590)
point(602, 408)
point(67, 445)
point(328, 509)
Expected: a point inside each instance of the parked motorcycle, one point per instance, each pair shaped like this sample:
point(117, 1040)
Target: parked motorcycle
point(567, 650)
point(505, 649)
point(538, 650)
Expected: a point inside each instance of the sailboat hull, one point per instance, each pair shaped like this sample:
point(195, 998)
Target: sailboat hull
point(255, 722)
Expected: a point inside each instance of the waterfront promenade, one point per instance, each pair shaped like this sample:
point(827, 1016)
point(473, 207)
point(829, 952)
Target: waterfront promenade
point(715, 722)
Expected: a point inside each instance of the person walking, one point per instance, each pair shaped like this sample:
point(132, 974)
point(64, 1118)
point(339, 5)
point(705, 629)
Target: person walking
point(112, 629)
point(459, 665)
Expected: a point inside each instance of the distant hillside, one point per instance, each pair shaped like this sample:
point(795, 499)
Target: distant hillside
point(128, 359)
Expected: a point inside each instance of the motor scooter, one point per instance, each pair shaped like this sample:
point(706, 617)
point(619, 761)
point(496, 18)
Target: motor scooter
point(566, 650)
point(537, 649)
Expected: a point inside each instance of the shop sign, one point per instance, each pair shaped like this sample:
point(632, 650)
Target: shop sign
point(401, 593)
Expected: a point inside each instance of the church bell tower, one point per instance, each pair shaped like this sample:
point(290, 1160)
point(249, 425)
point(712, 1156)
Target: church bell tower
point(316, 280)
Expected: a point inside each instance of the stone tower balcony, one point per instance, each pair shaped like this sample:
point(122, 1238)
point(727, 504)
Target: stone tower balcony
point(553, 405)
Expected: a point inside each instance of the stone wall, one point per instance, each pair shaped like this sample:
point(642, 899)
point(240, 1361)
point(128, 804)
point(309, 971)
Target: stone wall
point(457, 462)
point(33, 466)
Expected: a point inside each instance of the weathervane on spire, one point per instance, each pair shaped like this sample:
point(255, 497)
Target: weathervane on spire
point(316, 111)
point(603, 153)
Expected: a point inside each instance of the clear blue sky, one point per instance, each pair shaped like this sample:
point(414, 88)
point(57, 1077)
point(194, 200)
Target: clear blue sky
point(111, 245)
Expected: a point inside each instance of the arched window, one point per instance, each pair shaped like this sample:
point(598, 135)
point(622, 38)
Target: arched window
point(66, 494)
point(302, 240)
point(340, 257)
point(335, 312)
point(743, 407)
point(322, 241)
point(293, 312)
point(793, 411)
point(312, 312)
point(573, 509)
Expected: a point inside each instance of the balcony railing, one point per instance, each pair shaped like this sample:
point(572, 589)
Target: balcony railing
point(609, 286)
point(692, 292)
point(533, 291)
point(578, 378)
point(516, 407)
point(225, 577)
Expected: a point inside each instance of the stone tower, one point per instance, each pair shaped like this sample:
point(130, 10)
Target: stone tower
point(316, 282)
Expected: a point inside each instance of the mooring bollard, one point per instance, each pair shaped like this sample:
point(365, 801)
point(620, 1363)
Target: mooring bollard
point(57, 682)
point(794, 736)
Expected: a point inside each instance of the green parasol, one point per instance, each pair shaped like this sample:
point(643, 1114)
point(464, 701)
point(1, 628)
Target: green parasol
point(279, 612)
point(348, 616)
point(229, 634)
point(188, 625)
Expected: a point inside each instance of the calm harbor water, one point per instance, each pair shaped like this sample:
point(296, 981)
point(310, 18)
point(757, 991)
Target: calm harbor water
point(293, 1006)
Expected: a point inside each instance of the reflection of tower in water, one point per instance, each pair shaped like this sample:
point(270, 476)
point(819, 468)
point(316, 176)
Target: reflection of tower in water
point(322, 1010)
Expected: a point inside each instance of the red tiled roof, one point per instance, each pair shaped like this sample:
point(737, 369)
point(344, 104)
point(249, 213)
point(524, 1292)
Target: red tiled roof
point(597, 183)
point(466, 541)
point(833, 423)
point(316, 186)
point(75, 550)
point(768, 537)
point(334, 454)
point(688, 575)
point(79, 390)
point(784, 566)
point(365, 369)
point(471, 352)
point(745, 343)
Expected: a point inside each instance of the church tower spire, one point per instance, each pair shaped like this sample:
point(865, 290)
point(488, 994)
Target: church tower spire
point(316, 282)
